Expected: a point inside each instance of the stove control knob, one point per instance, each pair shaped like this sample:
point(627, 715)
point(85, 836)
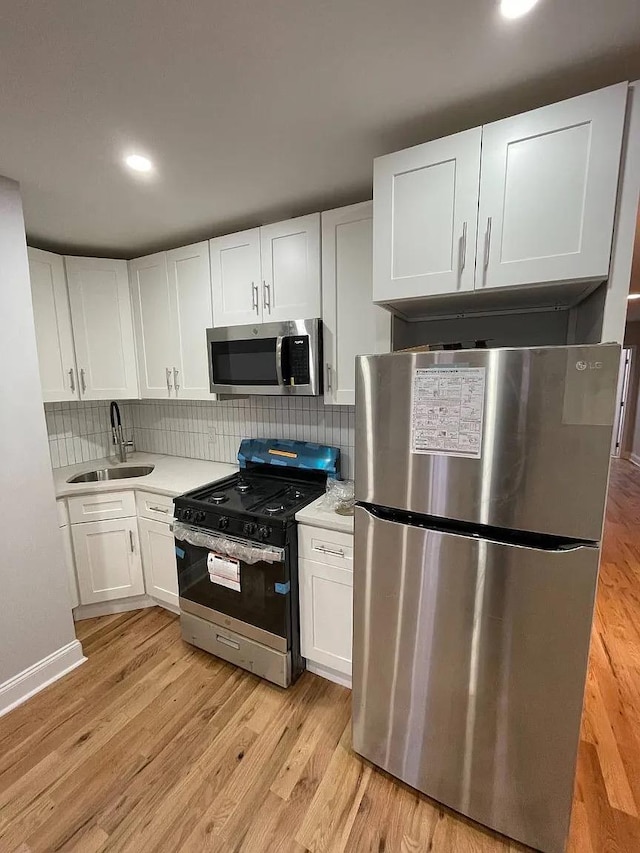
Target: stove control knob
point(187, 514)
point(249, 528)
point(223, 522)
point(264, 532)
point(199, 516)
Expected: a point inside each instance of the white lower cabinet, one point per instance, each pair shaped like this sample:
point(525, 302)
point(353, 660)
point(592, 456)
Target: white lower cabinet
point(326, 602)
point(67, 549)
point(120, 545)
point(69, 562)
point(108, 562)
point(159, 560)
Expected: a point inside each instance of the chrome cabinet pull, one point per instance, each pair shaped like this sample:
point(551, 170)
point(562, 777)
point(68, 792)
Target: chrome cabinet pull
point(463, 247)
point(487, 243)
point(83, 384)
point(266, 295)
point(72, 382)
point(163, 509)
point(329, 383)
point(254, 297)
point(168, 379)
point(131, 541)
point(175, 379)
point(324, 550)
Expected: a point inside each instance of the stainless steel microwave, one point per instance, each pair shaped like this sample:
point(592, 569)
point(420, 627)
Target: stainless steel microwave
point(266, 358)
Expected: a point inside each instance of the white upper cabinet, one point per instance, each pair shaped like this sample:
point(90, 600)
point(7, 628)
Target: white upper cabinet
point(102, 328)
point(267, 274)
point(548, 191)
point(190, 293)
point(425, 215)
point(353, 325)
point(236, 278)
point(52, 317)
point(171, 294)
point(290, 255)
point(524, 201)
point(152, 311)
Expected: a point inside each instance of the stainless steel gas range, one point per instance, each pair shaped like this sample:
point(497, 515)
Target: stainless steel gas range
point(237, 556)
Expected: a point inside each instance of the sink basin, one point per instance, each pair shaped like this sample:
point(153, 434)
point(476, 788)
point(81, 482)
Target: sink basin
point(112, 474)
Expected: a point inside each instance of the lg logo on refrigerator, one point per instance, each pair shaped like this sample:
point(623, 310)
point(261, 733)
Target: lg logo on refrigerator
point(591, 365)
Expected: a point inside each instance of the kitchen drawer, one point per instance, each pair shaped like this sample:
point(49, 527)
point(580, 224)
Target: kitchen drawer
point(326, 546)
point(63, 512)
point(154, 507)
point(101, 506)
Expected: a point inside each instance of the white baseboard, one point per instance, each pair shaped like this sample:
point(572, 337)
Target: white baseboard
point(633, 457)
point(108, 608)
point(329, 674)
point(30, 681)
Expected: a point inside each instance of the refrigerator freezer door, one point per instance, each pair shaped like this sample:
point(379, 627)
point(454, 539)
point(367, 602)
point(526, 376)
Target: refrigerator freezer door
point(469, 664)
point(542, 417)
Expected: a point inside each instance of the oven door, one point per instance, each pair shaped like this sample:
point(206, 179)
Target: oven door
point(250, 598)
point(269, 358)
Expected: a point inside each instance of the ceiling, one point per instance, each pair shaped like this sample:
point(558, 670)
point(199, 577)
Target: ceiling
point(256, 110)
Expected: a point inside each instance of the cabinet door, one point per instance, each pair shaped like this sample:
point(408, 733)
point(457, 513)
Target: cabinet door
point(425, 211)
point(52, 316)
point(236, 278)
point(290, 253)
point(72, 581)
point(353, 325)
point(326, 603)
point(102, 328)
point(159, 560)
point(548, 191)
point(191, 314)
point(154, 324)
point(108, 561)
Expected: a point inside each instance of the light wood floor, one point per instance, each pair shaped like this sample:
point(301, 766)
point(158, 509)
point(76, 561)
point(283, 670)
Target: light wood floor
point(153, 745)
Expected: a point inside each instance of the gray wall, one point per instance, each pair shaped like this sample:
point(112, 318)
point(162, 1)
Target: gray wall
point(35, 613)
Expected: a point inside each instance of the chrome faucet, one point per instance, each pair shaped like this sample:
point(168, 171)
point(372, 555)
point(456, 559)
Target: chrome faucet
point(116, 432)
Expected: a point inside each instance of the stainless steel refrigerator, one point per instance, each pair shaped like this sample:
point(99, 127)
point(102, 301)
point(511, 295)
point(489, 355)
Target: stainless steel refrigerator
point(481, 479)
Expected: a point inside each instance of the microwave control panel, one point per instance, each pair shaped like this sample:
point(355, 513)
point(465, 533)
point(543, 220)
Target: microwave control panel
point(295, 360)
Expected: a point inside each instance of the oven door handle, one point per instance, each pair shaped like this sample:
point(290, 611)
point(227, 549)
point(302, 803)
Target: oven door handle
point(279, 372)
point(239, 549)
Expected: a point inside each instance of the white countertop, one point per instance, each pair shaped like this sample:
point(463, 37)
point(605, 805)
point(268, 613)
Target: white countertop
point(172, 475)
point(315, 516)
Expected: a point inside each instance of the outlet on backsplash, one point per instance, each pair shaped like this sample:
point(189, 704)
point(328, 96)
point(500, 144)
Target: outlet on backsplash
point(212, 433)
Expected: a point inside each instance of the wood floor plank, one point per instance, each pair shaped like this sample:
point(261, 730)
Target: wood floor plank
point(153, 745)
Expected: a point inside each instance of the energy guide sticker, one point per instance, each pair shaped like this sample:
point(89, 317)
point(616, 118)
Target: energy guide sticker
point(447, 410)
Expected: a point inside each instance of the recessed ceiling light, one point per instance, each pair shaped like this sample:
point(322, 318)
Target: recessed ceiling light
point(516, 8)
point(138, 163)
point(633, 296)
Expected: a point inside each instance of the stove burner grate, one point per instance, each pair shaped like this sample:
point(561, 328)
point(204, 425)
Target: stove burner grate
point(218, 498)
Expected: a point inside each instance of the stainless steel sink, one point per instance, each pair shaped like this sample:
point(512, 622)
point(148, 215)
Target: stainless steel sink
point(112, 474)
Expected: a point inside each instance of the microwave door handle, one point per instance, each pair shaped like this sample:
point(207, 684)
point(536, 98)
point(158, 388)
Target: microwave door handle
point(279, 373)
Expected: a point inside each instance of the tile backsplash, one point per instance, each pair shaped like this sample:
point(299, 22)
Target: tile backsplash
point(201, 430)
point(80, 432)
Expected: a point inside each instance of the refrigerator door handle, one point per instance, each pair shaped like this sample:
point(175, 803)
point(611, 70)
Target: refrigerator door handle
point(483, 532)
